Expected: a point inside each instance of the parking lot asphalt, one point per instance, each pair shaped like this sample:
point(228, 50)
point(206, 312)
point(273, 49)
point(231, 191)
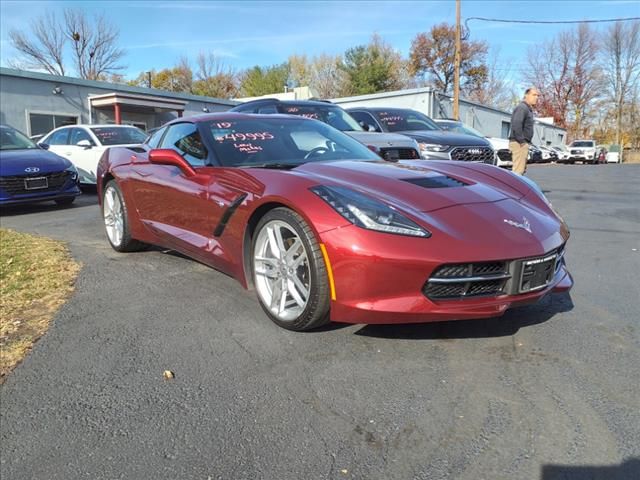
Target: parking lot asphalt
point(548, 391)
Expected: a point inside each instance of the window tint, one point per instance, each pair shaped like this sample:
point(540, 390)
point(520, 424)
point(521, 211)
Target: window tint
point(119, 135)
point(268, 109)
point(332, 115)
point(60, 137)
point(401, 120)
point(11, 139)
point(154, 140)
point(365, 118)
point(291, 141)
point(78, 134)
point(185, 139)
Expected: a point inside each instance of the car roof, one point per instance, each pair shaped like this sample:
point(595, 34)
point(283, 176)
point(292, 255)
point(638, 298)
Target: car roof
point(102, 125)
point(274, 101)
point(221, 116)
point(380, 109)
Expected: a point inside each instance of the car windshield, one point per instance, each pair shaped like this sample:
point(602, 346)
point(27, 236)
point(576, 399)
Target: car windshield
point(256, 142)
point(11, 139)
point(331, 115)
point(459, 128)
point(119, 135)
point(403, 120)
point(583, 144)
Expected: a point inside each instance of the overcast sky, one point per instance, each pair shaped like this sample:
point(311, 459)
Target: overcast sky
point(156, 33)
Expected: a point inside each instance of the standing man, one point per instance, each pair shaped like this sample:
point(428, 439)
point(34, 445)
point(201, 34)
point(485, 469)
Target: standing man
point(522, 130)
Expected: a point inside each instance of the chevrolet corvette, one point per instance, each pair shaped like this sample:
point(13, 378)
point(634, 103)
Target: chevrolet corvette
point(325, 230)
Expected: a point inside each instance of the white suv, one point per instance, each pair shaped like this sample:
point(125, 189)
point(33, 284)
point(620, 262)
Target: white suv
point(583, 150)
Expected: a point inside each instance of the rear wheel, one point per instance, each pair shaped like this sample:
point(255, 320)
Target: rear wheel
point(289, 272)
point(116, 222)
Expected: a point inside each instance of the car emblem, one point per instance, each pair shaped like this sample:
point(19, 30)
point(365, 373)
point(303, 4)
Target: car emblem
point(525, 225)
point(475, 151)
point(32, 169)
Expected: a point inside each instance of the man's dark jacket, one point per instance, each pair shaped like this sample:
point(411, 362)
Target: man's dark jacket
point(522, 123)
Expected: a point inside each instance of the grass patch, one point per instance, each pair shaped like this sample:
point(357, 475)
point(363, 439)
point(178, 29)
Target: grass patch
point(36, 277)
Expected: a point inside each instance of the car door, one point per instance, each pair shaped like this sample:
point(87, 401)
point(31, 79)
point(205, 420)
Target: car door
point(85, 158)
point(174, 205)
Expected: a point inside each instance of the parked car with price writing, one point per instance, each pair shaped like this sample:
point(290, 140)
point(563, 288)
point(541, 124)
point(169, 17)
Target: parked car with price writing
point(30, 174)
point(83, 145)
point(323, 229)
point(389, 146)
point(500, 145)
point(434, 142)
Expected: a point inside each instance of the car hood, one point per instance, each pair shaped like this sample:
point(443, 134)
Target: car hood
point(499, 143)
point(418, 186)
point(14, 162)
point(383, 140)
point(442, 137)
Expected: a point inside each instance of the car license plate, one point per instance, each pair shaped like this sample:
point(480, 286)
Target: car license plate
point(35, 183)
point(537, 273)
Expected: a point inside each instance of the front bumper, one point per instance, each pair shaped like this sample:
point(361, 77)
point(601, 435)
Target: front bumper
point(23, 199)
point(382, 283)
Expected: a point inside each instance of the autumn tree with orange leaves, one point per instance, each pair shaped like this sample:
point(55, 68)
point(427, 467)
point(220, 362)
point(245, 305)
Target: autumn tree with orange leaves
point(432, 57)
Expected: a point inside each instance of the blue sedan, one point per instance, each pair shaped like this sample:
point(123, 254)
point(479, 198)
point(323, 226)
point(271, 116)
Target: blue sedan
point(29, 173)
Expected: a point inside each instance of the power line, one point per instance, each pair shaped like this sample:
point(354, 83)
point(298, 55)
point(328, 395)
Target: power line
point(502, 20)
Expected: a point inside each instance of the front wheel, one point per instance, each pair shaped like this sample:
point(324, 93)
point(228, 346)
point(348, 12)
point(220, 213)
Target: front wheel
point(116, 222)
point(289, 272)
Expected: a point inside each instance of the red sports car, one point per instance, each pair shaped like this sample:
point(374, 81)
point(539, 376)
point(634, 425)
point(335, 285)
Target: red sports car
point(323, 229)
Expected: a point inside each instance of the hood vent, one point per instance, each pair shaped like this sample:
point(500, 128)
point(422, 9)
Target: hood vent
point(436, 181)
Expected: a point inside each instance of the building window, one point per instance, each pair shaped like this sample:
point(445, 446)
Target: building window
point(506, 129)
point(43, 123)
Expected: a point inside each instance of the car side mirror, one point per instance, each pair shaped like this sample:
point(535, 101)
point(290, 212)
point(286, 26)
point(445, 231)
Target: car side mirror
point(166, 156)
point(86, 144)
point(44, 146)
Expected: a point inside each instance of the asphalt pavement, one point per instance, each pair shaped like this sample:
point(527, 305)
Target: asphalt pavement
point(549, 391)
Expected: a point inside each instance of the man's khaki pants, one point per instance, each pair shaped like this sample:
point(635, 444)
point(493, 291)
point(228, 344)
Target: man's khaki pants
point(519, 157)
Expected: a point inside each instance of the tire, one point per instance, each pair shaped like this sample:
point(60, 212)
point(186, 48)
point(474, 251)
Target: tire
point(65, 201)
point(281, 281)
point(116, 219)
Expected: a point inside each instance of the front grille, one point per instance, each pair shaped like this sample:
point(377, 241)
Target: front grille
point(399, 153)
point(15, 185)
point(472, 154)
point(513, 277)
point(467, 280)
point(505, 155)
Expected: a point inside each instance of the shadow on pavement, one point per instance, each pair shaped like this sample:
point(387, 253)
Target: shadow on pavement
point(507, 325)
point(629, 470)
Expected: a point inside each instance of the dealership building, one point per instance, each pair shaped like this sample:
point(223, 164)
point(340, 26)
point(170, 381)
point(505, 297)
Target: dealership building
point(36, 103)
point(490, 121)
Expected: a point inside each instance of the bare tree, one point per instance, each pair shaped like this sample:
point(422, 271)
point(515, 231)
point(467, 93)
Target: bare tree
point(565, 71)
point(44, 48)
point(92, 43)
point(496, 91)
point(621, 68)
point(214, 78)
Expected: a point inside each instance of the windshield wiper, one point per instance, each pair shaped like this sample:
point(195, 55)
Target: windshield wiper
point(274, 166)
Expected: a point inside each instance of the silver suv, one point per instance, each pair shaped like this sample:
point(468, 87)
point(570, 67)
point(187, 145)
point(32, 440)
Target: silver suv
point(583, 150)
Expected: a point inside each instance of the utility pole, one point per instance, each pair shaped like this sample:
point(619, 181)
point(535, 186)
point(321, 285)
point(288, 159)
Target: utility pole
point(456, 68)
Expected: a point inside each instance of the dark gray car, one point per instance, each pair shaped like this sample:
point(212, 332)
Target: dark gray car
point(435, 143)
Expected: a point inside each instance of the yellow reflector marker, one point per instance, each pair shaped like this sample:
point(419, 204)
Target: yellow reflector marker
point(332, 285)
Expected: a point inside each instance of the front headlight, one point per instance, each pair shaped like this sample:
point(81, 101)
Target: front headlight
point(367, 212)
point(432, 147)
point(73, 170)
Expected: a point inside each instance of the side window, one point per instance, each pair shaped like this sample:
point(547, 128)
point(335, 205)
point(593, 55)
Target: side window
point(268, 109)
point(185, 139)
point(154, 140)
point(364, 117)
point(60, 137)
point(78, 134)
